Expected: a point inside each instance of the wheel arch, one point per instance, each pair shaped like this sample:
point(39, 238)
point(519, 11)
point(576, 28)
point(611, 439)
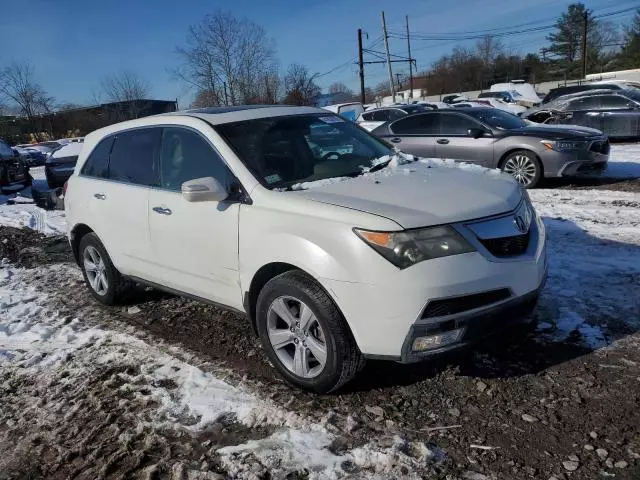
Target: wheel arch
point(527, 149)
point(266, 273)
point(75, 237)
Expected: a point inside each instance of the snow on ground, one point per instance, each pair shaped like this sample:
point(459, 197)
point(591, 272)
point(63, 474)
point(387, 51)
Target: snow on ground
point(594, 264)
point(37, 343)
point(18, 209)
point(624, 161)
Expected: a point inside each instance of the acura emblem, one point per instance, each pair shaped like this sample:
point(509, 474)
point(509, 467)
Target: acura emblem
point(520, 223)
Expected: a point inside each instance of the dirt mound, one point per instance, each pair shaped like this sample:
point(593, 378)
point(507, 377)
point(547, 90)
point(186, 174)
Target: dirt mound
point(28, 248)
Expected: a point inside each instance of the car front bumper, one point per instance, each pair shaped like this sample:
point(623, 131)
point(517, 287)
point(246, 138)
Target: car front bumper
point(575, 163)
point(387, 315)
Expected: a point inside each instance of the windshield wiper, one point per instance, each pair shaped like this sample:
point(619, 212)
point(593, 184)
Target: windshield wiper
point(378, 166)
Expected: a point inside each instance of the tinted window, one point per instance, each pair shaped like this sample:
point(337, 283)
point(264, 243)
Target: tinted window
point(98, 162)
point(186, 155)
point(381, 115)
point(426, 124)
point(396, 114)
point(367, 116)
point(134, 157)
point(496, 118)
point(614, 102)
point(585, 103)
point(452, 124)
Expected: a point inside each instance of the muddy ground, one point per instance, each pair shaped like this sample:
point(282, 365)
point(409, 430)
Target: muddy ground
point(515, 408)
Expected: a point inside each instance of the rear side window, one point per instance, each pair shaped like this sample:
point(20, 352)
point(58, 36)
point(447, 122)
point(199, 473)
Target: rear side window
point(186, 155)
point(367, 116)
point(134, 157)
point(98, 162)
point(452, 124)
point(615, 102)
point(426, 124)
point(396, 114)
point(381, 115)
point(586, 103)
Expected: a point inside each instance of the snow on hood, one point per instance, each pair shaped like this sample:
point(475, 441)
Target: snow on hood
point(420, 192)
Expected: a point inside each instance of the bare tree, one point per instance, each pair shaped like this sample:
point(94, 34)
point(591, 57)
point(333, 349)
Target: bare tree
point(18, 86)
point(339, 87)
point(300, 86)
point(127, 92)
point(125, 86)
point(230, 57)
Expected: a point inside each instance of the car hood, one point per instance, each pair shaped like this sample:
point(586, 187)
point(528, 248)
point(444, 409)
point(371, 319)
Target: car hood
point(557, 132)
point(421, 194)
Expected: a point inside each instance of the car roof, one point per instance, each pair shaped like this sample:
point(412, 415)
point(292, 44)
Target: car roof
point(238, 113)
point(213, 116)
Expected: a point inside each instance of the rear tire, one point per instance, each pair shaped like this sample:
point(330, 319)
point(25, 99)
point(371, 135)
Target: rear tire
point(104, 281)
point(524, 166)
point(304, 334)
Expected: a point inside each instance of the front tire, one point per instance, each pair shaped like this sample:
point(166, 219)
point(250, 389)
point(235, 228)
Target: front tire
point(524, 166)
point(304, 334)
point(104, 281)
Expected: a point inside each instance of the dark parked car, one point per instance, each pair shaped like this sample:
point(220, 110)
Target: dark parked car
point(387, 114)
point(614, 112)
point(31, 156)
point(586, 87)
point(497, 139)
point(13, 171)
point(59, 166)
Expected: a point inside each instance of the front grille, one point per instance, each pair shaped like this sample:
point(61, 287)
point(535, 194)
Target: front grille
point(450, 306)
point(601, 147)
point(507, 246)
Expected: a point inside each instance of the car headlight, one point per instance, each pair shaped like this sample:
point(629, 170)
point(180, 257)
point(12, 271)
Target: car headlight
point(564, 145)
point(408, 247)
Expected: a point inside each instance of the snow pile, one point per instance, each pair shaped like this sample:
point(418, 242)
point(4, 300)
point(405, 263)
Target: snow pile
point(49, 222)
point(398, 163)
point(63, 352)
point(594, 264)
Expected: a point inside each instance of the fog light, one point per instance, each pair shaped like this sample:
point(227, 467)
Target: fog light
point(435, 341)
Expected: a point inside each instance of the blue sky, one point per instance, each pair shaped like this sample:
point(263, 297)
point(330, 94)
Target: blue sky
point(73, 44)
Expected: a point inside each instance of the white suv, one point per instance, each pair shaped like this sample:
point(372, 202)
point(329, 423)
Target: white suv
point(336, 247)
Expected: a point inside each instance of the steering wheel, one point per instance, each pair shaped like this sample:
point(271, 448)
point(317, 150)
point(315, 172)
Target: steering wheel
point(328, 155)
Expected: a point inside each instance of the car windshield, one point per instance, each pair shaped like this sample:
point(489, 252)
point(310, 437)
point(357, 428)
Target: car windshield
point(496, 118)
point(284, 151)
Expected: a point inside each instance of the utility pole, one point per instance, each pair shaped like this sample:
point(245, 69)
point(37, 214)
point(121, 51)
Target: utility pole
point(386, 47)
point(398, 75)
point(361, 65)
point(410, 60)
point(584, 43)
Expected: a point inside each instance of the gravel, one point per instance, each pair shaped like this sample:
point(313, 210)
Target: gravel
point(535, 403)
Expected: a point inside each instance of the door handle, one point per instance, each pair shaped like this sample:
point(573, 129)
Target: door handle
point(395, 140)
point(594, 114)
point(442, 141)
point(100, 196)
point(162, 210)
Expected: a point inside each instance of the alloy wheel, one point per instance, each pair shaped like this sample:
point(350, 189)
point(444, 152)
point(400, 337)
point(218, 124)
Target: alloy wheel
point(296, 337)
point(95, 269)
point(522, 168)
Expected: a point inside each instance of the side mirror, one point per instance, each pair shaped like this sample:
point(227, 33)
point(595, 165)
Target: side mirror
point(475, 132)
point(206, 189)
